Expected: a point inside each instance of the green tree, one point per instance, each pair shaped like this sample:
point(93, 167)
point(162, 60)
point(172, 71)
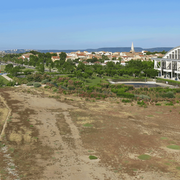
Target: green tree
point(8, 68)
point(62, 56)
point(40, 67)
point(14, 71)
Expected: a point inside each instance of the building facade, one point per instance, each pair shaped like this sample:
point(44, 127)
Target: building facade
point(169, 65)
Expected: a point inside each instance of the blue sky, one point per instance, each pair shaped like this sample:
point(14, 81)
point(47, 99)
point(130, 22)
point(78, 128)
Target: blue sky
point(85, 24)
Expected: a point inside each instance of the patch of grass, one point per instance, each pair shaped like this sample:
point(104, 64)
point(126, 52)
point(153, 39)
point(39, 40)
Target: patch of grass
point(90, 151)
point(134, 169)
point(159, 112)
point(164, 138)
point(169, 104)
point(144, 157)
point(95, 81)
point(126, 101)
point(88, 125)
point(5, 81)
point(11, 149)
point(158, 104)
point(150, 116)
point(92, 157)
point(178, 168)
point(175, 147)
point(31, 125)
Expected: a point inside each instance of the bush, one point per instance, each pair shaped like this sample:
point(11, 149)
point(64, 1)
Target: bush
point(158, 104)
point(63, 87)
point(178, 90)
point(10, 83)
point(169, 94)
point(30, 77)
point(126, 101)
point(142, 96)
point(92, 157)
point(45, 81)
point(125, 95)
point(54, 84)
point(30, 84)
point(169, 104)
point(71, 87)
point(141, 103)
point(37, 85)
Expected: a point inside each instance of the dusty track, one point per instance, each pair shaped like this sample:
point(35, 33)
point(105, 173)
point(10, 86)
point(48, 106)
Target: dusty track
point(68, 160)
point(48, 138)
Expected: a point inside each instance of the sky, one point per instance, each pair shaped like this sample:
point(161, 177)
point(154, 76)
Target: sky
point(83, 24)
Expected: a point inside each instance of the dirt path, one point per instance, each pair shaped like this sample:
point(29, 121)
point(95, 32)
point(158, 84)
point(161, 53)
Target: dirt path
point(52, 138)
point(67, 159)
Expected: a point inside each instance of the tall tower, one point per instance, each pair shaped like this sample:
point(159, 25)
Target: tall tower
point(132, 48)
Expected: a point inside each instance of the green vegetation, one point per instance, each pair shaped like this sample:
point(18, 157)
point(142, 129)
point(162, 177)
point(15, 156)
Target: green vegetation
point(126, 101)
point(3, 81)
point(37, 84)
point(170, 82)
point(158, 104)
point(175, 147)
point(164, 138)
point(91, 81)
point(92, 157)
point(144, 157)
point(88, 125)
point(161, 52)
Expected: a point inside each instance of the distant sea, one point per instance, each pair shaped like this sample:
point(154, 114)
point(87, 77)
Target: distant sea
point(110, 49)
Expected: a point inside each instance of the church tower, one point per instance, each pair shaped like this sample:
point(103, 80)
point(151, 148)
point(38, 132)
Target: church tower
point(132, 48)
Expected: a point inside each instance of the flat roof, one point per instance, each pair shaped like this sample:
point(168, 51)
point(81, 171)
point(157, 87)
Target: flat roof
point(164, 59)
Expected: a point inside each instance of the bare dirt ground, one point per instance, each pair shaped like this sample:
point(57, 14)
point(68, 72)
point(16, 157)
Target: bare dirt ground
point(52, 138)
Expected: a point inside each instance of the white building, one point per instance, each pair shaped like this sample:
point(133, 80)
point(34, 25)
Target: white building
point(169, 65)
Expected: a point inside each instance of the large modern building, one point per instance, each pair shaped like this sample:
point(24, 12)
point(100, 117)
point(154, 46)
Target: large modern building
point(169, 65)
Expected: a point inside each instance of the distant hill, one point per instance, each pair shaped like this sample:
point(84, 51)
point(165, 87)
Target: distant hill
point(110, 49)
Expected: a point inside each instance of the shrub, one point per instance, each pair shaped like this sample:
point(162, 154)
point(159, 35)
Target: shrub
point(125, 95)
point(54, 90)
point(141, 103)
point(169, 104)
point(104, 85)
point(178, 90)
point(30, 77)
point(37, 85)
point(30, 84)
point(169, 94)
point(63, 87)
point(92, 157)
point(45, 81)
point(142, 96)
point(10, 83)
point(71, 87)
point(126, 101)
point(37, 77)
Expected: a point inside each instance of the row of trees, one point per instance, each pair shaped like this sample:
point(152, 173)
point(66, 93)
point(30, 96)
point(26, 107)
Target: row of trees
point(133, 68)
point(40, 60)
